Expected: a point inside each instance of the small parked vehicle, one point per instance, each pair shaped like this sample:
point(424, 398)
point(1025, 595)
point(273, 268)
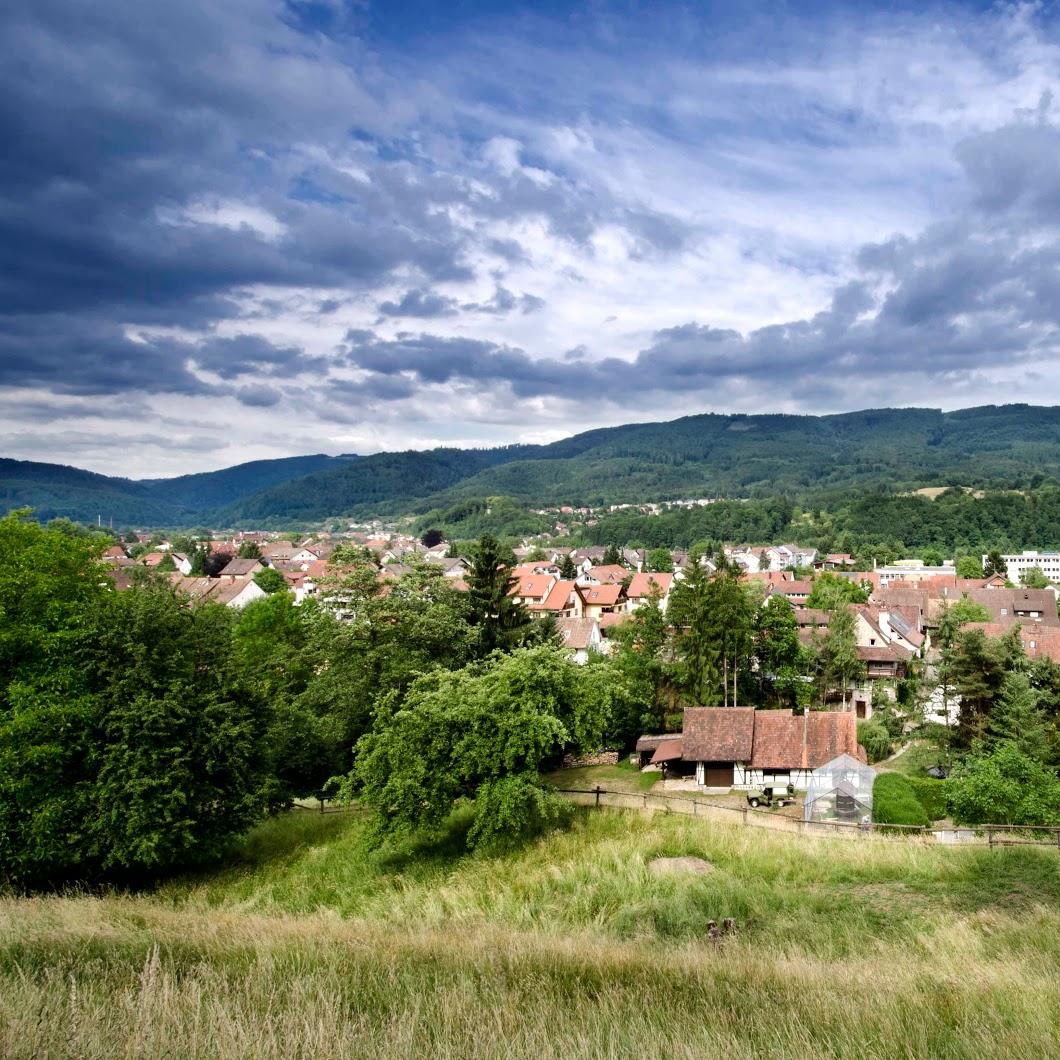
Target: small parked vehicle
point(779, 797)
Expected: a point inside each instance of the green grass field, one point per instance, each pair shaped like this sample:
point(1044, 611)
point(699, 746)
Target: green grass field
point(620, 777)
point(312, 944)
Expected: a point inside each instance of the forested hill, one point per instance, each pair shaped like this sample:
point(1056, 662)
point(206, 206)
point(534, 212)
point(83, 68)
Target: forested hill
point(733, 456)
point(709, 455)
point(54, 490)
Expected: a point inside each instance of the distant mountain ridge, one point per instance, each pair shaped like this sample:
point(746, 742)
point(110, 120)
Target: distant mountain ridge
point(54, 490)
point(703, 455)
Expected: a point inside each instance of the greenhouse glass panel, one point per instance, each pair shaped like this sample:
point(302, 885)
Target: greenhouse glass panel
point(840, 791)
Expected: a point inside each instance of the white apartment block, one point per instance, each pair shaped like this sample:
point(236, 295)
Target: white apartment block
point(1016, 565)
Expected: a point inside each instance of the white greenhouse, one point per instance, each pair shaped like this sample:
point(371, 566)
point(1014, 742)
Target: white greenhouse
point(840, 790)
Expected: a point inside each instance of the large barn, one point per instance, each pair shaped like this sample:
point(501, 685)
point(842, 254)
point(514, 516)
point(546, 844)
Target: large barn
point(740, 747)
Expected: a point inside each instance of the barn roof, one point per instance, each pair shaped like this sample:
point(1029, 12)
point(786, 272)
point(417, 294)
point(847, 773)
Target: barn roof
point(718, 734)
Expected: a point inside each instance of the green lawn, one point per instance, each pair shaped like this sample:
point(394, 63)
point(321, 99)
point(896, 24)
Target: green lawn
point(621, 777)
point(312, 943)
point(921, 755)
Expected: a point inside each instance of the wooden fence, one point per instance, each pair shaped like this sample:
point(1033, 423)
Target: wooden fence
point(989, 835)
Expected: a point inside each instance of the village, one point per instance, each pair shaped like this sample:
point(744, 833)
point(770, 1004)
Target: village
point(589, 594)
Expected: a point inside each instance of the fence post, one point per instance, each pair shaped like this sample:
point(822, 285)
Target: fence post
point(598, 796)
point(321, 803)
point(990, 837)
point(695, 813)
point(645, 800)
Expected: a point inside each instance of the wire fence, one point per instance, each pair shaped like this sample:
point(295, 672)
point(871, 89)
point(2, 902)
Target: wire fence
point(703, 809)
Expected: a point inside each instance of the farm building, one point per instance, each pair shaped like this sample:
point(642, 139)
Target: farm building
point(742, 747)
point(840, 790)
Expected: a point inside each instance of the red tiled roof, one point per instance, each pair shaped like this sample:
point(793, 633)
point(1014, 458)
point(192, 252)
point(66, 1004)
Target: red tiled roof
point(718, 734)
point(576, 632)
point(778, 740)
point(793, 588)
point(607, 595)
point(768, 739)
point(830, 733)
point(668, 751)
point(640, 584)
point(527, 570)
point(535, 587)
point(610, 573)
point(558, 598)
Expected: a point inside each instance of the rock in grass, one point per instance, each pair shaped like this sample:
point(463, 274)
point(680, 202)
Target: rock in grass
point(674, 866)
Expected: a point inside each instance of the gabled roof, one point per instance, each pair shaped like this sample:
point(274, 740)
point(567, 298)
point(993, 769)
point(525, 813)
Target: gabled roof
point(883, 653)
point(778, 740)
point(640, 584)
point(718, 734)
point(607, 595)
point(792, 588)
point(534, 587)
point(608, 573)
point(577, 633)
point(240, 568)
point(769, 739)
point(558, 598)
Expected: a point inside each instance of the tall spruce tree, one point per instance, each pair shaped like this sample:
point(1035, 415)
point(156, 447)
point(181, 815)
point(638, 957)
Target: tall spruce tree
point(1018, 718)
point(492, 610)
point(838, 653)
point(977, 672)
point(689, 611)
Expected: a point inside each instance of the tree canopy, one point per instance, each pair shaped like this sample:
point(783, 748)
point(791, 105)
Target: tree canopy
point(482, 734)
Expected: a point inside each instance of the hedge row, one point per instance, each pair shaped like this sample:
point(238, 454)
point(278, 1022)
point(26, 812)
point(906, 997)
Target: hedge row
point(932, 796)
point(894, 801)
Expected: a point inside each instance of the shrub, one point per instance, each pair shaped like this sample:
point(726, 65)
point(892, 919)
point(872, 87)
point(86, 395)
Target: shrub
point(932, 796)
point(1004, 787)
point(894, 801)
point(875, 739)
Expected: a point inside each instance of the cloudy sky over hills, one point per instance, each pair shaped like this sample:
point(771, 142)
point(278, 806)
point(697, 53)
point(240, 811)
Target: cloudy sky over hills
point(253, 228)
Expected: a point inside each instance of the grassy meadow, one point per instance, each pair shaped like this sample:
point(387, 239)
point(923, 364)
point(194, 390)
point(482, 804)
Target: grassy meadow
point(310, 943)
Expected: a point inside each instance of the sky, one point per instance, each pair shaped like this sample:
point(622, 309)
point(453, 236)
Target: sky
point(251, 229)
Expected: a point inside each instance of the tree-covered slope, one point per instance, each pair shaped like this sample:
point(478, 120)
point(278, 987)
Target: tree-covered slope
point(54, 490)
point(735, 456)
point(709, 455)
point(208, 490)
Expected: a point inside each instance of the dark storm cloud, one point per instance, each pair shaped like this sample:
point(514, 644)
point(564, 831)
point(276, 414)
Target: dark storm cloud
point(249, 354)
point(505, 301)
point(116, 118)
point(419, 303)
point(80, 356)
point(424, 304)
point(258, 396)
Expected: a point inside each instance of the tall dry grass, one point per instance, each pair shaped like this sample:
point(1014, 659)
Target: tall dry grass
point(570, 948)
